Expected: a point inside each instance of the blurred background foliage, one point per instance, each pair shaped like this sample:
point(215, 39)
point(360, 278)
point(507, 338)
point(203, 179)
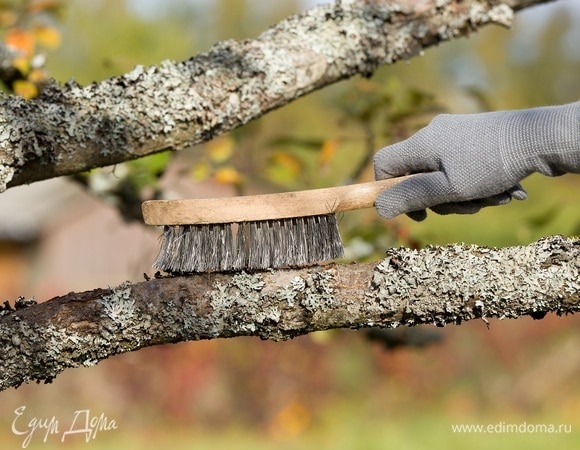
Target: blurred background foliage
point(335, 389)
point(28, 29)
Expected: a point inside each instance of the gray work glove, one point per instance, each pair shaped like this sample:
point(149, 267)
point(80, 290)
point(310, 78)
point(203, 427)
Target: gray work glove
point(469, 161)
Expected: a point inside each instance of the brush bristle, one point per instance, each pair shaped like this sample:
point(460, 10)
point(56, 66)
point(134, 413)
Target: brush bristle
point(268, 244)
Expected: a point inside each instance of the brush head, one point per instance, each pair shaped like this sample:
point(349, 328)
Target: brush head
point(288, 229)
point(222, 247)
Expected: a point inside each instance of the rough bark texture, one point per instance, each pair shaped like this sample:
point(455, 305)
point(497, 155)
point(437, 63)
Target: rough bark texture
point(437, 285)
point(70, 128)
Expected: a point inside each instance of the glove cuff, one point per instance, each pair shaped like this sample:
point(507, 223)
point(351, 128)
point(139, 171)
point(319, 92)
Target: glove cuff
point(545, 140)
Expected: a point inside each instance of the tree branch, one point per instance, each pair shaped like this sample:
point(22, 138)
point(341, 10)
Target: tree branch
point(70, 129)
point(437, 285)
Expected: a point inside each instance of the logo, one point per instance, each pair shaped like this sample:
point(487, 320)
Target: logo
point(83, 423)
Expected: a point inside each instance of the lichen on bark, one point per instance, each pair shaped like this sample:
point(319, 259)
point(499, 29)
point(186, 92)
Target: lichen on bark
point(435, 285)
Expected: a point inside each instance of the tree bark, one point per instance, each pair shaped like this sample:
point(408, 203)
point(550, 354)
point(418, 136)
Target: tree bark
point(436, 285)
point(69, 129)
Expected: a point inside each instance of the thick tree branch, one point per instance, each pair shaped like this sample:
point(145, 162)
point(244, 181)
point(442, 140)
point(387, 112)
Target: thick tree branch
point(70, 129)
point(437, 285)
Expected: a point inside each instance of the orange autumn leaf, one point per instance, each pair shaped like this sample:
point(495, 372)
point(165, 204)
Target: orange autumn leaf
point(37, 76)
point(22, 64)
point(21, 40)
point(25, 89)
point(327, 151)
point(290, 421)
point(220, 149)
point(48, 37)
point(228, 175)
point(200, 171)
point(287, 162)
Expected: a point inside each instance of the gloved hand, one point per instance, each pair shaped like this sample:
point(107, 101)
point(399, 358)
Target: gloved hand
point(468, 161)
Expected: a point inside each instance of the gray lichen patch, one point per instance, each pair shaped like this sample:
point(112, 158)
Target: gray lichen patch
point(246, 304)
point(6, 175)
point(241, 289)
point(239, 305)
point(478, 14)
point(118, 305)
point(317, 292)
point(500, 14)
point(450, 284)
point(314, 292)
point(70, 349)
point(40, 354)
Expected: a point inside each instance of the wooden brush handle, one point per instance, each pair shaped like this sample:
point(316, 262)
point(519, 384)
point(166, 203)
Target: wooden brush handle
point(251, 208)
